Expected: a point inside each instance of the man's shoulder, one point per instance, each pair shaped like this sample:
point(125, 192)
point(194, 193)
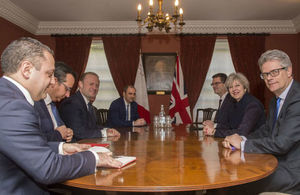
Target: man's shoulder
point(117, 101)
point(73, 99)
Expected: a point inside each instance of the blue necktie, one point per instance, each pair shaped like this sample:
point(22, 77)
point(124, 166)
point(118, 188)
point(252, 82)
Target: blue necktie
point(127, 113)
point(276, 111)
point(56, 114)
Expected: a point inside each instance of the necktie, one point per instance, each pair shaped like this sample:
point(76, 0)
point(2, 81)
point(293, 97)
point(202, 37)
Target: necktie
point(127, 112)
point(276, 111)
point(56, 114)
point(220, 102)
point(91, 112)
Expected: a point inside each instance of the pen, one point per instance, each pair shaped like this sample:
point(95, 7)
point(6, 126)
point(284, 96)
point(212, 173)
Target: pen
point(232, 147)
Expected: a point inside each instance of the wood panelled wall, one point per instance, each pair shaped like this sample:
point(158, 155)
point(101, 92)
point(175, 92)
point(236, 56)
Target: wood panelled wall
point(289, 43)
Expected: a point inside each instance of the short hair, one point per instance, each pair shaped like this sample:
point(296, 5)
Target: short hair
point(275, 54)
point(222, 76)
point(25, 48)
point(61, 71)
point(128, 86)
point(87, 73)
point(237, 77)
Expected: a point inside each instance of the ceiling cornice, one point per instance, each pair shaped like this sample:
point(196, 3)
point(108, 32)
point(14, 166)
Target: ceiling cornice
point(296, 22)
point(14, 14)
point(210, 27)
point(26, 21)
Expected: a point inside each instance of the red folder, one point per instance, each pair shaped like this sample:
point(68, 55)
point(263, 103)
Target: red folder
point(95, 144)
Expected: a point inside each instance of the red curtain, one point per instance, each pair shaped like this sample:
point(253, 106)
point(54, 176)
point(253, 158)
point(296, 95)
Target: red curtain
point(122, 54)
point(74, 50)
point(195, 56)
point(245, 51)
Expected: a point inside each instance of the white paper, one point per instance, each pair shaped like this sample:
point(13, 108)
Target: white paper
point(99, 149)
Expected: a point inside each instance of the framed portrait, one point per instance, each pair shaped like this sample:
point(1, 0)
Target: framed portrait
point(159, 71)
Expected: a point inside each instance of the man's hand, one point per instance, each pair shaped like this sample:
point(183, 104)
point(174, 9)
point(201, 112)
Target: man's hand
point(233, 140)
point(108, 161)
point(139, 122)
point(112, 133)
point(66, 133)
point(69, 149)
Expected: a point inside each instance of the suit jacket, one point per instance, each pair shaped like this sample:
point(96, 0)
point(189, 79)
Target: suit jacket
point(74, 113)
point(221, 113)
point(46, 124)
point(27, 161)
point(283, 141)
point(241, 117)
point(117, 113)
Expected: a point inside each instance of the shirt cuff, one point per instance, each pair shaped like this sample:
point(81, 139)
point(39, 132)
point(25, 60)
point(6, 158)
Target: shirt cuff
point(60, 148)
point(243, 143)
point(243, 157)
point(96, 158)
point(103, 132)
point(215, 125)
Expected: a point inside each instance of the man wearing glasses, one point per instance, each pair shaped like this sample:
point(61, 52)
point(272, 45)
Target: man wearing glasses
point(51, 123)
point(280, 136)
point(218, 85)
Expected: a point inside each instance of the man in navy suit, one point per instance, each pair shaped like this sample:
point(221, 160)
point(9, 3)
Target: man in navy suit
point(27, 161)
point(78, 113)
point(123, 112)
point(218, 84)
point(52, 125)
point(280, 135)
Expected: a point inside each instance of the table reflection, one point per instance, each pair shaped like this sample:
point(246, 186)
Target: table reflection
point(175, 159)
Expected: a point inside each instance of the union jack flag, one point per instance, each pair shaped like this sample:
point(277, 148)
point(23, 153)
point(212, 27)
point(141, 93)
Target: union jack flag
point(179, 104)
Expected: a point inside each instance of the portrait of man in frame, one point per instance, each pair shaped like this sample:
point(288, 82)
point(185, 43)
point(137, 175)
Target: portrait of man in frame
point(159, 71)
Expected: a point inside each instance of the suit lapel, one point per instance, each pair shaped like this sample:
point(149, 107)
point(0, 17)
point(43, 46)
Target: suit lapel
point(282, 112)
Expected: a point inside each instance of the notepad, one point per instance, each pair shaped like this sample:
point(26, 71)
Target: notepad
point(100, 149)
point(125, 160)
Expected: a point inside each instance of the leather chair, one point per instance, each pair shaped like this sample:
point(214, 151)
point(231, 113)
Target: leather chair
point(102, 116)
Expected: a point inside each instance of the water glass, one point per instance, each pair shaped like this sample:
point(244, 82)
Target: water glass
point(168, 121)
point(155, 121)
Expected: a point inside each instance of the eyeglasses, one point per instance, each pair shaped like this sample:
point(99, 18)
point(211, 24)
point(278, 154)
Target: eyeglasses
point(273, 73)
point(66, 87)
point(216, 83)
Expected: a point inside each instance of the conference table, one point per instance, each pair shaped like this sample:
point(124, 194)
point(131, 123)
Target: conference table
point(174, 159)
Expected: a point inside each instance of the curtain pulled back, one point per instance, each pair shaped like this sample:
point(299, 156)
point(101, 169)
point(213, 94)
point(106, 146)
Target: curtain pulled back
point(122, 53)
point(245, 51)
point(74, 51)
point(195, 56)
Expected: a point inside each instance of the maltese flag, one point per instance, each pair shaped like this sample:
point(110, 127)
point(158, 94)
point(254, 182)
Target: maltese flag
point(141, 92)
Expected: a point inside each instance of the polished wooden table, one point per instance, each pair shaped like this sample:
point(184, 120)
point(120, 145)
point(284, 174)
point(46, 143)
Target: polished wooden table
point(177, 159)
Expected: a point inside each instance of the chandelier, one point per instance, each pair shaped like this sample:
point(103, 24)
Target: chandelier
point(160, 20)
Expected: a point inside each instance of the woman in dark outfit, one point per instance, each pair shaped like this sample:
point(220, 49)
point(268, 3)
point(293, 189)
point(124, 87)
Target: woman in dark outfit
point(245, 113)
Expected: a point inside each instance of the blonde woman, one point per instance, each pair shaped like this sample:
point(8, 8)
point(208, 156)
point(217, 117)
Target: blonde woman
point(245, 113)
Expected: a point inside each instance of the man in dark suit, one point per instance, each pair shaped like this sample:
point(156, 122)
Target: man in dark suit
point(280, 135)
point(218, 85)
point(78, 113)
point(51, 123)
point(123, 112)
point(27, 161)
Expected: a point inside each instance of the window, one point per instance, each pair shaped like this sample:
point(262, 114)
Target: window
point(221, 62)
point(97, 63)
